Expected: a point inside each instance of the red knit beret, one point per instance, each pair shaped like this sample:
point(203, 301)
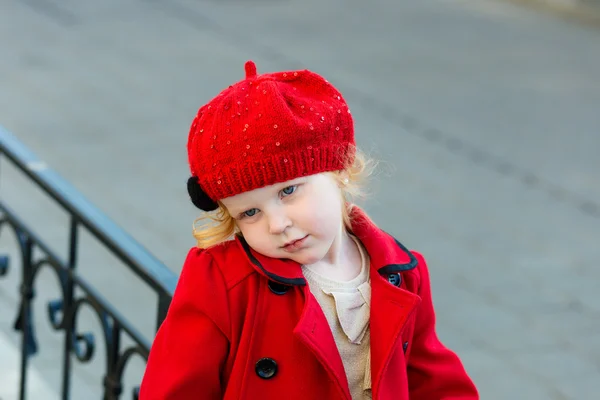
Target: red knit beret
point(267, 129)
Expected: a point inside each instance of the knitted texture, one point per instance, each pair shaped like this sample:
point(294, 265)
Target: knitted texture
point(267, 129)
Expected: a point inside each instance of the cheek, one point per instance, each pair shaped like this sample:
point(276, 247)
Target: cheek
point(323, 213)
point(254, 235)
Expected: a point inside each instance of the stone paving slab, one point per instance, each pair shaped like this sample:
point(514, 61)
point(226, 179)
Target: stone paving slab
point(578, 11)
point(484, 113)
point(38, 388)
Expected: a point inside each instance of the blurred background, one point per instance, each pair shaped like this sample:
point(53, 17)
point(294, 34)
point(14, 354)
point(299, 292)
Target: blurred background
point(485, 115)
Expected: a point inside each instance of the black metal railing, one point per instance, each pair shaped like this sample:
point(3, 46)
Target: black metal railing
point(63, 312)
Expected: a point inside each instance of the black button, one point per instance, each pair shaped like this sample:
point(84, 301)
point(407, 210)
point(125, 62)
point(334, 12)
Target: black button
point(405, 346)
point(266, 368)
point(278, 288)
point(395, 279)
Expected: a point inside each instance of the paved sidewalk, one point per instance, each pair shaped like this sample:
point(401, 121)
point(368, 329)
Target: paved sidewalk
point(37, 387)
point(577, 11)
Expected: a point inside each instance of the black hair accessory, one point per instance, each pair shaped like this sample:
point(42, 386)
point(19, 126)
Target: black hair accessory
point(199, 197)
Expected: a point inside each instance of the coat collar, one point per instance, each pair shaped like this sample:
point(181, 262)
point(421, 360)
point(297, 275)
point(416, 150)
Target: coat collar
point(387, 254)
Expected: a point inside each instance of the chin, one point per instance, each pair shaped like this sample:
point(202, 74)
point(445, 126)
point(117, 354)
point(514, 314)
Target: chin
point(306, 259)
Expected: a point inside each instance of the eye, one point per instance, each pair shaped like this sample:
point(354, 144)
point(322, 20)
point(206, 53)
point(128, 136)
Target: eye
point(250, 213)
point(288, 190)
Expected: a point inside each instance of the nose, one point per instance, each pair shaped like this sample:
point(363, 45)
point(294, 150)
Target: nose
point(278, 222)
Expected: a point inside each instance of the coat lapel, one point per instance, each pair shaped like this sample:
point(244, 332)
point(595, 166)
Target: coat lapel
point(284, 271)
point(394, 307)
point(391, 306)
point(313, 330)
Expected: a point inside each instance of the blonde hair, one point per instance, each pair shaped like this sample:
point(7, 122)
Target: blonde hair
point(218, 226)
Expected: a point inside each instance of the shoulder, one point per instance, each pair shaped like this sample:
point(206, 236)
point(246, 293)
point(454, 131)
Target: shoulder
point(206, 280)
point(226, 262)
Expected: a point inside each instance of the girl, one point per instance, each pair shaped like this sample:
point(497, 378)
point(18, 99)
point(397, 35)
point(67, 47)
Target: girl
point(310, 299)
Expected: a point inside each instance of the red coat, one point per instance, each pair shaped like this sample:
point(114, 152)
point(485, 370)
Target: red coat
point(244, 326)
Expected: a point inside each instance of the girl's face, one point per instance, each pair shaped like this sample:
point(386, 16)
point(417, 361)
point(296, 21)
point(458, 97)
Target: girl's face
point(298, 219)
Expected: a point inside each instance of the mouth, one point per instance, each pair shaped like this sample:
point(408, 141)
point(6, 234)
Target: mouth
point(294, 244)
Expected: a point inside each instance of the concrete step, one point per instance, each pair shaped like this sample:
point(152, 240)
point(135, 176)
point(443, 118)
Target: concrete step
point(45, 367)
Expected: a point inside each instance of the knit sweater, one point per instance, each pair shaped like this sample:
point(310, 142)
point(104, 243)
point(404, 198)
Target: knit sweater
point(346, 306)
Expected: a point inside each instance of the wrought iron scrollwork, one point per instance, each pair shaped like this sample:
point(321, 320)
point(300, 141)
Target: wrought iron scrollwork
point(4, 264)
point(64, 318)
point(63, 312)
